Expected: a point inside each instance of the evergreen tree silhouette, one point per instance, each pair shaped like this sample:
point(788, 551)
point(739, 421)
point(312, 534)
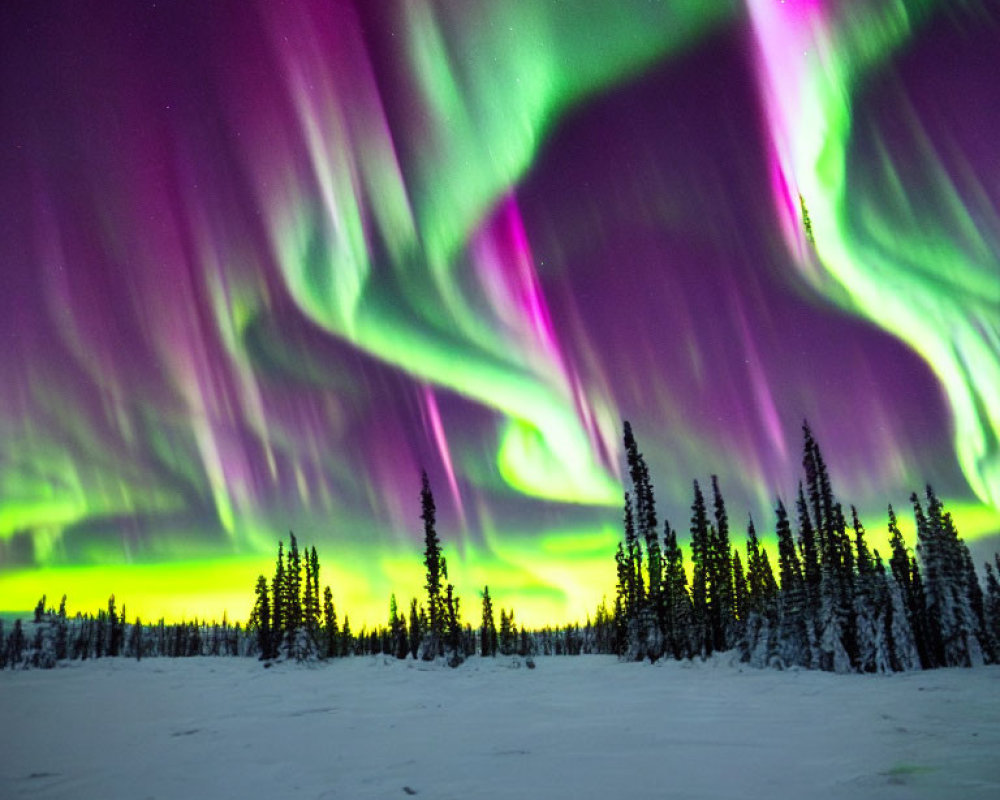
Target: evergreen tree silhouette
point(898, 631)
point(917, 600)
point(279, 614)
point(760, 637)
point(260, 619)
point(870, 601)
point(331, 635)
point(648, 610)
point(453, 629)
point(847, 595)
point(416, 629)
point(488, 636)
point(314, 611)
point(636, 615)
point(624, 573)
point(912, 593)
point(114, 629)
point(62, 632)
point(397, 630)
point(703, 640)
point(795, 623)
point(309, 604)
point(680, 614)
point(135, 640)
point(721, 575)
point(293, 598)
point(437, 572)
point(991, 604)
point(741, 595)
point(346, 645)
point(977, 606)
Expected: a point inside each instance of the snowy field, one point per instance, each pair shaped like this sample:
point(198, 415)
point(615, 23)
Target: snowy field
point(585, 727)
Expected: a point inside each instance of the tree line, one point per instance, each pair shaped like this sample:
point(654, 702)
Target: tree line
point(832, 604)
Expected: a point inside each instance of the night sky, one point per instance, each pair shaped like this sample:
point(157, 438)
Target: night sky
point(263, 262)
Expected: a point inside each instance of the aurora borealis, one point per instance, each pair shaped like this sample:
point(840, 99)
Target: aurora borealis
point(263, 262)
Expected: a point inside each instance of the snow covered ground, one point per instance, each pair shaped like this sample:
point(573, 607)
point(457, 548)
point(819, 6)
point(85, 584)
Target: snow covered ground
point(584, 727)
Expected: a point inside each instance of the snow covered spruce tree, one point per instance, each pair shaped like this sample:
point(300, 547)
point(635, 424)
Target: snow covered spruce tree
point(795, 624)
point(991, 604)
point(955, 631)
point(760, 646)
point(678, 613)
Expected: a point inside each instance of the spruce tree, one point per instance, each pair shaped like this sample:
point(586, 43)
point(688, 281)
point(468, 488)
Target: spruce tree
point(912, 593)
point(314, 564)
point(969, 595)
point(311, 600)
point(279, 617)
point(331, 634)
point(992, 604)
point(636, 610)
point(976, 601)
point(397, 630)
point(621, 601)
point(820, 494)
point(648, 607)
point(870, 602)
point(952, 634)
point(760, 637)
point(293, 596)
point(810, 556)
point(436, 573)
point(453, 628)
point(741, 596)
point(721, 572)
point(700, 579)
point(917, 602)
point(346, 646)
point(260, 618)
point(833, 655)
point(508, 633)
point(895, 627)
point(62, 632)
point(135, 640)
point(308, 623)
point(114, 629)
point(488, 638)
point(848, 585)
point(415, 633)
point(680, 614)
point(793, 614)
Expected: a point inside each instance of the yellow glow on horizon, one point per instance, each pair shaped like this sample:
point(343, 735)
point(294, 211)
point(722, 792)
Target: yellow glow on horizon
point(550, 578)
point(553, 591)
